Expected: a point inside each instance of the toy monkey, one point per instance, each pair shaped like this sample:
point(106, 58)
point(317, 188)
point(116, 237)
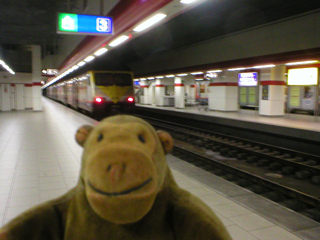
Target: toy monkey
point(125, 192)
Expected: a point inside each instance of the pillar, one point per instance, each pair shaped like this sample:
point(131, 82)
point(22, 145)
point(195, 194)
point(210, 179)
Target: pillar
point(179, 96)
point(36, 78)
point(160, 92)
point(223, 92)
point(272, 86)
point(145, 89)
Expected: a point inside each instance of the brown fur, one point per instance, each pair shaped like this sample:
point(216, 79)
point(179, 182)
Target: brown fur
point(125, 191)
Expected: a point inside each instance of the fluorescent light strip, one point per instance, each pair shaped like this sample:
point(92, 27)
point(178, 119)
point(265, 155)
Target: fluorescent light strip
point(118, 41)
point(159, 77)
point(150, 78)
point(100, 51)
point(300, 63)
point(187, 1)
point(148, 23)
point(89, 58)
point(214, 71)
point(182, 74)
point(236, 69)
point(265, 66)
point(169, 76)
point(80, 64)
point(196, 73)
point(7, 67)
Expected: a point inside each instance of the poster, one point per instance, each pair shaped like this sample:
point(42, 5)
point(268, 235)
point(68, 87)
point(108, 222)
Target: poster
point(265, 92)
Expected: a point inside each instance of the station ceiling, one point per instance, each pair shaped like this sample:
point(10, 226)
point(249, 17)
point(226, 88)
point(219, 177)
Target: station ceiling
point(23, 23)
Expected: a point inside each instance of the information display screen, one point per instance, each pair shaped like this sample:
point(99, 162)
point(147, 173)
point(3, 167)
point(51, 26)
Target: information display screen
point(70, 23)
point(303, 76)
point(249, 79)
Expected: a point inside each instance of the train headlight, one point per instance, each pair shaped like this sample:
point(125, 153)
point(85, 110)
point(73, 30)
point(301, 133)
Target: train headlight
point(130, 99)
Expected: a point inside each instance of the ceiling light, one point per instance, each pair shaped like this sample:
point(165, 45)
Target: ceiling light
point(196, 73)
point(159, 77)
point(7, 67)
point(182, 74)
point(100, 51)
point(143, 79)
point(89, 58)
point(80, 64)
point(150, 78)
point(148, 23)
point(169, 76)
point(300, 63)
point(236, 69)
point(265, 66)
point(118, 41)
point(187, 1)
point(214, 71)
point(75, 67)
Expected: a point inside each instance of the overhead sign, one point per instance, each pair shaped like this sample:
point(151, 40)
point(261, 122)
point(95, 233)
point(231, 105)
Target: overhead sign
point(303, 76)
point(248, 79)
point(70, 23)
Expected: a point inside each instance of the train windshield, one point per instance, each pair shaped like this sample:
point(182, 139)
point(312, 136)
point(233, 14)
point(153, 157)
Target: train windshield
point(109, 79)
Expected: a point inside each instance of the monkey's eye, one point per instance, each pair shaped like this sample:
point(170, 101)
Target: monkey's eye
point(141, 138)
point(100, 137)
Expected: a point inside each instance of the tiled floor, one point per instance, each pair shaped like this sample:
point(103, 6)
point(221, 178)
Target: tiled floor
point(39, 160)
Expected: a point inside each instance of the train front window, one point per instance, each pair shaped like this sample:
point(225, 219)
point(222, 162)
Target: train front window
point(104, 79)
point(109, 79)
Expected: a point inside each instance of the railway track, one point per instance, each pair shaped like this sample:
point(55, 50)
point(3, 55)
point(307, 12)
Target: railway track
point(286, 176)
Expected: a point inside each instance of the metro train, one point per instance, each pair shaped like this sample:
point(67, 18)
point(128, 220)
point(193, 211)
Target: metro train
point(96, 93)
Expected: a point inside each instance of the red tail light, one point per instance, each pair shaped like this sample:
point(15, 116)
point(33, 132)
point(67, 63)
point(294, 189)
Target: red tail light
point(130, 99)
point(98, 100)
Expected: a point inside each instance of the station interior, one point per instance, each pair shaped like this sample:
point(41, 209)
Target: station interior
point(250, 64)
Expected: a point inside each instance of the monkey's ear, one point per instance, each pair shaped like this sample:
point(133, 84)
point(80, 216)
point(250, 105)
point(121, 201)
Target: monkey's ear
point(166, 140)
point(82, 134)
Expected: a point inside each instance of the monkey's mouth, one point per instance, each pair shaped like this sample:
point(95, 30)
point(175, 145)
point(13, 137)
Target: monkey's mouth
point(125, 192)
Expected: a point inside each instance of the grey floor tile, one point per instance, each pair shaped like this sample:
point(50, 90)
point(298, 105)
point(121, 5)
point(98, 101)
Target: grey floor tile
point(275, 213)
point(250, 222)
point(309, 234)
point(238, 233)
point(272, 233)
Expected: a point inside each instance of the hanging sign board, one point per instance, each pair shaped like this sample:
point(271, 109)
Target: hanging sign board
point(69, 23)
point(248, 79)
point(303, 76)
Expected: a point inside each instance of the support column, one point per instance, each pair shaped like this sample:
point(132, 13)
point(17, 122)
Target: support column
point(223, 95)
point(36, 78)
point(145, 89)
point(179, 93)
point(160, 92)
point(272, 86)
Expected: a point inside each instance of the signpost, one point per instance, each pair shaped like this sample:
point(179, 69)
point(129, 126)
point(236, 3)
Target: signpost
point(69, 23)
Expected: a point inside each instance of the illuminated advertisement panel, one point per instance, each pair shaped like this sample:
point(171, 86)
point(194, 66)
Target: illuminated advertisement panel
point(70, 23)
point(303, 76)
point(248, 79)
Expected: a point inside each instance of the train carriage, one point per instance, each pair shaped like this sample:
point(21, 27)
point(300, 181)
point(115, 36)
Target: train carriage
point(98, 93)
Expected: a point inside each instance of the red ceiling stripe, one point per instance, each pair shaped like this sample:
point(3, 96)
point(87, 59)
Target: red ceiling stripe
point(282, 83)
point(224, 84)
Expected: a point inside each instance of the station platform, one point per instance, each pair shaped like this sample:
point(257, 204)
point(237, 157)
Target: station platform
point(248, 123)
point(40, 160)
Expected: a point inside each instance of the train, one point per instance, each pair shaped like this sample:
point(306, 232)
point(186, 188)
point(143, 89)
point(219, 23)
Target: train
point(96, 93)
